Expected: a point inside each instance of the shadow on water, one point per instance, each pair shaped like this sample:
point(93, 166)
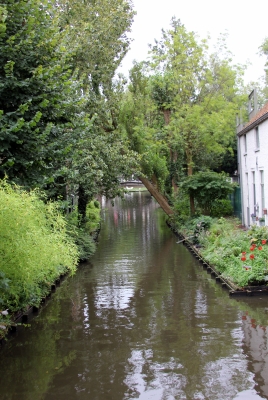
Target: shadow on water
point(142, 320)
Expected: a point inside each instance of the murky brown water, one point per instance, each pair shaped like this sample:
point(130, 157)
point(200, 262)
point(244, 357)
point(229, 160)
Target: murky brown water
point(142, 321)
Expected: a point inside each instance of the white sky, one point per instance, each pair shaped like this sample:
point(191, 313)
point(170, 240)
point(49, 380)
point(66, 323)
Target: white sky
point(246, 22)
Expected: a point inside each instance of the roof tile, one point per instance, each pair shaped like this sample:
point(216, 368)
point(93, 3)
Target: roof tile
point(259, 114)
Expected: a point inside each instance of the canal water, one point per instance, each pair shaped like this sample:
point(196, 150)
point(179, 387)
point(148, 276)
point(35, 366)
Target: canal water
point(141, 320)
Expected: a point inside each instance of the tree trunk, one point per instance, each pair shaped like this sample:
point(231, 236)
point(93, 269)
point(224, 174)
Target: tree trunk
point(161, 200)
point(173, 160)
point(190, 173)
point(167, 114)
point(82, 203)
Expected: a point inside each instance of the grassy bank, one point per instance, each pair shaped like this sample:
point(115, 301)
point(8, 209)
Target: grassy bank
point(241, 256)
point(37, 245)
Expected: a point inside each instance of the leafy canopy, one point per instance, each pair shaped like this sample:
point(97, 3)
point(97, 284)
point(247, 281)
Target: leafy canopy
point(206, 187)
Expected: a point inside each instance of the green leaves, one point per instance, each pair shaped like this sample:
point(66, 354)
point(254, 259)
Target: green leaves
point(206, 187)
point(34, 247)
point(3, 16)
point(200, 91)
point(33, 87)
point(97, 34)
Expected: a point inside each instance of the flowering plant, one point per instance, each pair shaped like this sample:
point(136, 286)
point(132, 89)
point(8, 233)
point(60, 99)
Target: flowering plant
point(254, 245)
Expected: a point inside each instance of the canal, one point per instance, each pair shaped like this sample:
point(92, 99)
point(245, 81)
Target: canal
point(141, 320)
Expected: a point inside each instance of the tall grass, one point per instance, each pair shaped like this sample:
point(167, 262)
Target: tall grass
point(34, 246)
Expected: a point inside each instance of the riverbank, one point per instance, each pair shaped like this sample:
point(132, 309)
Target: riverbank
point(237, 257)
point(39, 245)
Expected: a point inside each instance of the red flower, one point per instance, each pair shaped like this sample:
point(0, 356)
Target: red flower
point(263, 241)
point(243, 258)
point(251, 256)
point(260, 247)
point(244, 252)
point(252, 248)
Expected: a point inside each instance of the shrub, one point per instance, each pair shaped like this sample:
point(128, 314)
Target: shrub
point(206, 187)
point(92, 216)
point(221, 208)
point(35, 247)
point(82, 233)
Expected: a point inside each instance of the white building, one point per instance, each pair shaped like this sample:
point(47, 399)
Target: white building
point(253, 165)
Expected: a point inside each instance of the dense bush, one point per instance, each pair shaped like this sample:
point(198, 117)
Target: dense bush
point(221, 208)
point(35, 247)
point(207, 188)
point(92, 216)
point(82, 232)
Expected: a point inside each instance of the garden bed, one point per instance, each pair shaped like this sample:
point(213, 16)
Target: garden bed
point(230, 254)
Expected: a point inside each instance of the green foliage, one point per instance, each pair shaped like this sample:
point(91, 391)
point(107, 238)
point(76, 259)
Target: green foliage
point(223, 246)
point(3, 16)
point(181, 207)
point(97, 160)
point(4, 315)
point(181, 106)
point(201, 90)
point(35, 247)
point(58, 99)
point(34, 86)
point(85, 244)
point(155, 166)
point(193, 228)
point(93, 218)
point(97, 33)
point(207, 187)
point(87, 231)
point(82, 232)
point(264, 52)
point(221, 208)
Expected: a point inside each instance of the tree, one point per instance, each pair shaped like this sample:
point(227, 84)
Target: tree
point(202, 93)
point(96, 161)
point(57, 112)
point(97, 33)
point(206, 188)
point(34, 86)
point(140, 122)
point(264, 52)
point(182, 106)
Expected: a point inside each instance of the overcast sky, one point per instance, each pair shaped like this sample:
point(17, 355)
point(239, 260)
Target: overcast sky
point(245, 21)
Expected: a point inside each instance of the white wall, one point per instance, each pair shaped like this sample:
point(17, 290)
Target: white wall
point(254, 160)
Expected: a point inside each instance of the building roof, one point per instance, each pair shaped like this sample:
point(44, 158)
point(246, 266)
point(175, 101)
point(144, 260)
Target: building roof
point(261, 116)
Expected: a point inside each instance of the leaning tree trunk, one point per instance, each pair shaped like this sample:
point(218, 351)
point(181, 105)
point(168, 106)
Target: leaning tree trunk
point(161, 200)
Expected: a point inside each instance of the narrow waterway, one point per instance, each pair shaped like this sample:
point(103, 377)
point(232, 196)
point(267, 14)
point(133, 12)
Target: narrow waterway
point(142, 320)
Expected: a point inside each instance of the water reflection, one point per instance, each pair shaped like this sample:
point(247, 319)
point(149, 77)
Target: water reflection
point(141, 321)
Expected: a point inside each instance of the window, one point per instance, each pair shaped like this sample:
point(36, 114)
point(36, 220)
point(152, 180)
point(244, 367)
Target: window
point(245, 144)
point(262, 191)
point(254, 191)
point(257, 138)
